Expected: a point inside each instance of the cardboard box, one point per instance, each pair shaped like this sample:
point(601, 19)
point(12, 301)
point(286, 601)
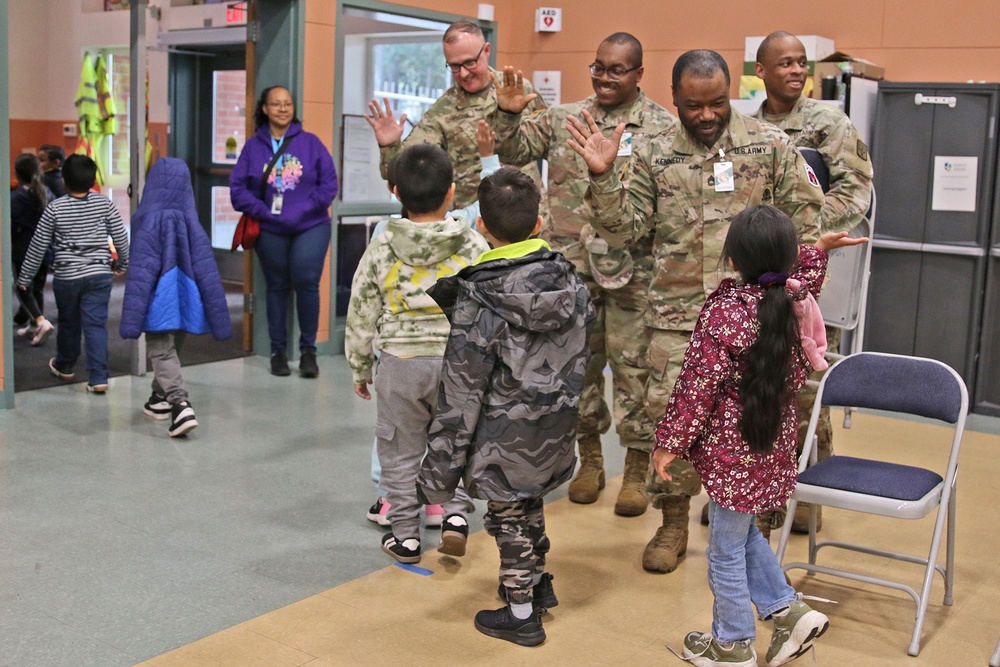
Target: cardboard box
point(833, 65)
point(817, 48)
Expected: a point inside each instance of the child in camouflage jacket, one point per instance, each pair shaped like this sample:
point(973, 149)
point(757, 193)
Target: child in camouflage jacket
point(510, 390)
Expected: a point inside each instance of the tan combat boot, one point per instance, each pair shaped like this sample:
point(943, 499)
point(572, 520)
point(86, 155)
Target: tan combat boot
point(589, 480)
point(632, 500)
point(671, 539)
point(800, 522)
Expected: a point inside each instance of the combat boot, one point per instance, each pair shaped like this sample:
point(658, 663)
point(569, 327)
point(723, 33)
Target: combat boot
point(589, 480)
point(632, 499)
point(671, 539)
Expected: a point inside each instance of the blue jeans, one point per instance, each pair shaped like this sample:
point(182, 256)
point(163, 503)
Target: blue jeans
point(83, 308)
point(741, 569)
point(293, 263)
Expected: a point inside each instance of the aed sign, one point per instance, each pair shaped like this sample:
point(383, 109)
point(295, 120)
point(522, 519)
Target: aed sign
point(548, 19)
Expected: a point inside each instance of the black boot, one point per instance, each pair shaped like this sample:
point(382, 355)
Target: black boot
point(279, 364)
point(307, 364)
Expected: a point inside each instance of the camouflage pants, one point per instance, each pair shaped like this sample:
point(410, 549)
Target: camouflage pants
point(664, 358)
point(619, 339)
point(519, 529)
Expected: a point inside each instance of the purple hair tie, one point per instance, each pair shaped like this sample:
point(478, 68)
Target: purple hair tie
point(770, 279)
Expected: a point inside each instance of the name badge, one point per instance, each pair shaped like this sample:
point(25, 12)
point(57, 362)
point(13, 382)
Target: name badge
point(279, 200)
point(724, 177)
point(625, 145)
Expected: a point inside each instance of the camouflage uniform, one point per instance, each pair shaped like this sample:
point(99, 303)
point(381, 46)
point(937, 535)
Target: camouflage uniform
point(618, 335)
point(451, 124)
point(389, 302)
point(671, 192)
point(813, 124)
point(509, 396)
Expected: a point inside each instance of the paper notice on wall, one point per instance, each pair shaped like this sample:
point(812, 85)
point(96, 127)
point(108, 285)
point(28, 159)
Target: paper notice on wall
point(955, 181)
point(548, 85)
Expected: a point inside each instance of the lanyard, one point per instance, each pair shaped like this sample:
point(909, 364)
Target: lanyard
point(275, 145)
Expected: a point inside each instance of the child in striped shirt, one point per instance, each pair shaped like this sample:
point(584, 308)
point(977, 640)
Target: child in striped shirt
point(77, 226)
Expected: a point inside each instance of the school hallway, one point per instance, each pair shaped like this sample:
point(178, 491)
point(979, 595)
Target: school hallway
point(246, 543)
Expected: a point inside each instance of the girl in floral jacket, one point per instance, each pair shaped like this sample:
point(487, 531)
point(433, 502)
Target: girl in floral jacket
point(733, 415)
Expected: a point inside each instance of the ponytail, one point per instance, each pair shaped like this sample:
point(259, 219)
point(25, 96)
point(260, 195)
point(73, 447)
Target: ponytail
point(763, 387)
point(762, 244)
point(28, 170)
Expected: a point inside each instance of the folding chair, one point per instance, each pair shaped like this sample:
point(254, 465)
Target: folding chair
point(900, 384)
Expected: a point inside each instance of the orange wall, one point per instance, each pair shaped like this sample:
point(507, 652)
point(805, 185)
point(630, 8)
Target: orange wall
point(28, 135)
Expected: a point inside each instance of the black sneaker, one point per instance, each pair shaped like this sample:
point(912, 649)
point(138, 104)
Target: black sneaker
point(502, 624)
point(543, 595)
point(58, 373)
point(157, 407)
point(307, 364)
point(279, 364)
point(182, 419)
point(454, 535)
point(407, 551)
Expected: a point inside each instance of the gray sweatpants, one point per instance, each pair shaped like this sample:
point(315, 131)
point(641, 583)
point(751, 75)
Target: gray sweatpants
point(162, 348)
point(406, 393)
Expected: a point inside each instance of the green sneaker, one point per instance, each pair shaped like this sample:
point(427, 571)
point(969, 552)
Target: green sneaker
point(701, 650)
point(794, 632)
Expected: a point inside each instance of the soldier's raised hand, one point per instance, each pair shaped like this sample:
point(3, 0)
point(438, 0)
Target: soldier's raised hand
point(510, 91)
point(387, 130)
point(598, 151)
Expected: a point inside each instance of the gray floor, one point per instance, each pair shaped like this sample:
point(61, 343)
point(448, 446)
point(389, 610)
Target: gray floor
point(118, 543)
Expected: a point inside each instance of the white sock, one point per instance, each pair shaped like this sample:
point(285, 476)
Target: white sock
point(521, 611)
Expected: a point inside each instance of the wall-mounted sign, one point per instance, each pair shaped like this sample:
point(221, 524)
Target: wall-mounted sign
point(548, 19)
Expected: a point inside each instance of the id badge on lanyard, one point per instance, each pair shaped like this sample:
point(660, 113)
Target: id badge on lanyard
point(279, 198)
point(724, 174)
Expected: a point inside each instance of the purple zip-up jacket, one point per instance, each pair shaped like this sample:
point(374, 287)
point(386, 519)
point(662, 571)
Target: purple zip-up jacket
point(307, 178)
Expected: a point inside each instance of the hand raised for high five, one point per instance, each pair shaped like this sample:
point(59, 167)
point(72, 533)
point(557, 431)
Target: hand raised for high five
point(486, 141)
point(387, 130)
point(510, 91)
point(598, 151)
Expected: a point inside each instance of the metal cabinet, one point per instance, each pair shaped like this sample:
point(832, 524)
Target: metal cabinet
point(935, 154)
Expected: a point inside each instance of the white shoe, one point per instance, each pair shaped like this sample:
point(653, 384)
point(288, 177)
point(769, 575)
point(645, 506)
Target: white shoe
point(44, 330)
point(28, 330)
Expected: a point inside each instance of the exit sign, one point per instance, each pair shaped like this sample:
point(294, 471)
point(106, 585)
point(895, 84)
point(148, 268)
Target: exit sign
point(236, 13)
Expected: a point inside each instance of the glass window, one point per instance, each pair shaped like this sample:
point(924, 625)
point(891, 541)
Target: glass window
point(229, 115)
point(224, 218)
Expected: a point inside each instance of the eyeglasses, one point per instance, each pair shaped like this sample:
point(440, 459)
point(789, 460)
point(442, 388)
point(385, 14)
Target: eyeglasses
point(281, 105)
point(614, 73)
point(468, 65)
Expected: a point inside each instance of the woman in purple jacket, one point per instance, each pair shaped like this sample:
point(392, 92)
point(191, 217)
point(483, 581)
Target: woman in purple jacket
point(294, 219)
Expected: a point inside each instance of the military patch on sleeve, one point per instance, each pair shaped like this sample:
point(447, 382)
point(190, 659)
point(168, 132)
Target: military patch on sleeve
point(862, 150)
point(767, 195)
point(812, 176)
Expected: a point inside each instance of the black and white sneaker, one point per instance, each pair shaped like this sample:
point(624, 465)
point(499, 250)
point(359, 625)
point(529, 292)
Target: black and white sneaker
point(407, 551)
point(502, 624)
point(182, 419)
point(454, 535)
point(157, 407)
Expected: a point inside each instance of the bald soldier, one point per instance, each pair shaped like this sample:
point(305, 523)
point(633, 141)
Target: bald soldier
point(686, 185)
point(617, 278)
point(452, 120)
point(781, 63)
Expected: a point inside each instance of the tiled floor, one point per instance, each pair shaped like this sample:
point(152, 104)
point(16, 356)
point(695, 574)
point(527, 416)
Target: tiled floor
point(246, 544)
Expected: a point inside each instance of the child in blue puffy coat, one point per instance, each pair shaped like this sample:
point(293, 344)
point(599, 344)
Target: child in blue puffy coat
point(173, 287)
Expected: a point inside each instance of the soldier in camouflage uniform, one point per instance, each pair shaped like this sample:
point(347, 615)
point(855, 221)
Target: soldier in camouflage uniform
point(390, 306)
point(618, 278)
point(451, 121)
point(510, 391)
point(685, 185)
point(782, 65)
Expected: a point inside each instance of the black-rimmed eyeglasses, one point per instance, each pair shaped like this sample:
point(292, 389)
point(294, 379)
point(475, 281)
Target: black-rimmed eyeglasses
point(469, 65)
point(614, 73)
